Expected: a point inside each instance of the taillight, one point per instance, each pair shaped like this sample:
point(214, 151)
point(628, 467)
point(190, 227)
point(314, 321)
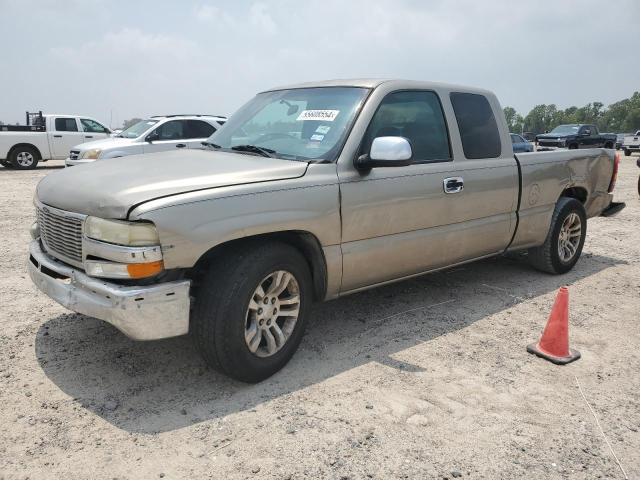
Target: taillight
point(614, 177)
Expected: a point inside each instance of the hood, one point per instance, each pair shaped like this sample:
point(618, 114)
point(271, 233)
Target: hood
point(104, 143)
point(110, 189)
point(553, 136)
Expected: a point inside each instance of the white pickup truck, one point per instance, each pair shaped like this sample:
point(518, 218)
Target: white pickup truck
point(46, 137)
point(631, 143)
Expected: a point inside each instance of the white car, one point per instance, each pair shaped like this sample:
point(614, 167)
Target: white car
point(631, 143)
point(155, 134)
point(46, 137)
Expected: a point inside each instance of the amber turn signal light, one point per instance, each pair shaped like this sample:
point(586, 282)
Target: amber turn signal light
point(142, 270)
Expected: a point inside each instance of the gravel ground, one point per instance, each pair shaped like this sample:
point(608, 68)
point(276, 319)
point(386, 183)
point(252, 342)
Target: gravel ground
point(427, 378)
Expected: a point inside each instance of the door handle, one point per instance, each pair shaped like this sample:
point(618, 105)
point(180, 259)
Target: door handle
point(57, 136)
point(88, 136)
point(180, 145)
point(453, 184)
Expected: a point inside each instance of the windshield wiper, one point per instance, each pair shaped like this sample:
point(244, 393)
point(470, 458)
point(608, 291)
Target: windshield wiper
point(209, 144)
point(265, 152)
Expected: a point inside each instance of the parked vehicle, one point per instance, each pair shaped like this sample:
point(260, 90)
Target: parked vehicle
point(155, 134)
point(519, 144)
point(308, 193)
point(631, 143)
point(46, 137)
point(619, 140)
point(574, 136)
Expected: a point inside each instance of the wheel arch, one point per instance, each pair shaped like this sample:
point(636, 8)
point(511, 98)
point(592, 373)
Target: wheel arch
point(579, 193)
point(22, 145)
point(305, 242)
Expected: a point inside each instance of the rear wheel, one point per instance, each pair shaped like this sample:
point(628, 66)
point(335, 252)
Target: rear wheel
point(627, 152)
point(608, 145)
point(251, 310)
point(24, 158)
point(563, 245)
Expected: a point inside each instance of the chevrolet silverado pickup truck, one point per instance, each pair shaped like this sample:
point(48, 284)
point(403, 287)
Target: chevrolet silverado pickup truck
point(155, 134)
point(574, 136)
point(46, 137)
point(307, 193)
point(631, 143)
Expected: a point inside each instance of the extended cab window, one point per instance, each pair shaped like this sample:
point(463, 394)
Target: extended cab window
point(416, 116)
point(92, 126)
point(172, 130)
point(199, 129)
point(477, 124)
point(66, 125)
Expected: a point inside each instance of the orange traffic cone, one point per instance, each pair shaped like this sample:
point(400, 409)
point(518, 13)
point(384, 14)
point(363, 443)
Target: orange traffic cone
point(554, 343)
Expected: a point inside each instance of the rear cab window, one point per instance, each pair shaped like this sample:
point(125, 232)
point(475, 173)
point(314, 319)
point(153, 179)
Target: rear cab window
point(66, 125)
point(477, 124)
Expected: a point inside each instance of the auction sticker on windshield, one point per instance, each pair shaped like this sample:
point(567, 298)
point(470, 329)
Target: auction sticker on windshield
point(326, 115)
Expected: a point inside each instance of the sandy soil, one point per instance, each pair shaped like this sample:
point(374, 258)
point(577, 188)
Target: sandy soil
point(428, 378)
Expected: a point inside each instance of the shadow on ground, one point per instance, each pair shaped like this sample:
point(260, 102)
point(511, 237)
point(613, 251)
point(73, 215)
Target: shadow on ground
point(40, 166)
point(150, 387)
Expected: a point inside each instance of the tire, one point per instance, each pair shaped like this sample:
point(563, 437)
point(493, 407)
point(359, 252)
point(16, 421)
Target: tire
point(548, 257)
point(608, 145)
point(573, 146)
point(6, 164)
point(24, 158)
point(627, 152)
point(223, 315)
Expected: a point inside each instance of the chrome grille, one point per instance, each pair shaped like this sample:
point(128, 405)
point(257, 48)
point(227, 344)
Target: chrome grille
point(74, 154)
point(61, 233)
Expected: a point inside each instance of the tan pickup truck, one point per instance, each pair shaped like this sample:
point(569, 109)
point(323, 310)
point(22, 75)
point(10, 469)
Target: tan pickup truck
point(307, 193)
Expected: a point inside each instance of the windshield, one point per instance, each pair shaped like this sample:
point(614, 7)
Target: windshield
point(297, 124)
point(137, 129)
point(565, 129)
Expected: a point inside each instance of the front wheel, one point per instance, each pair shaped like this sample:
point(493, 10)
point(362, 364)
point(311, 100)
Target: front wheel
point(563, 245)
point(250, 310)
point(627, 152)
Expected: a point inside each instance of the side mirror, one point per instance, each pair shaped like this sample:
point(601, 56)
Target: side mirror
point(152, 137)
point(386, 152)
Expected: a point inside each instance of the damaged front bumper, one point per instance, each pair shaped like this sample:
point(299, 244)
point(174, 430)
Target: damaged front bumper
point(140, 312)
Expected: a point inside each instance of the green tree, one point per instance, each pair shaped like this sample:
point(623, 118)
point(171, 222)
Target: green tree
point(128, 123)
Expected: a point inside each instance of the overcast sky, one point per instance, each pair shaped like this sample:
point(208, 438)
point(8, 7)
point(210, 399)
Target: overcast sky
point(125, 58)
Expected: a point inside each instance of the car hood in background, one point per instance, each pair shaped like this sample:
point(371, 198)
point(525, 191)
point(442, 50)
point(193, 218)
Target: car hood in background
point(553, 136)
point(109, 189)
point(105, 143)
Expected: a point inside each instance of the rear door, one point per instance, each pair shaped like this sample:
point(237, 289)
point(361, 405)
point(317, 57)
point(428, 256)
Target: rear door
point(443, 208)
point(66, 134)
point(197, 132)
point(93, 130)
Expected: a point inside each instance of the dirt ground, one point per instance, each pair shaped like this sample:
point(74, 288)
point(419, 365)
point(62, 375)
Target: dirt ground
point(428, 378)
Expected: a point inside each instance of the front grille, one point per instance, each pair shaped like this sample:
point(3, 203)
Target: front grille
point(61, 233)
point(74, 154)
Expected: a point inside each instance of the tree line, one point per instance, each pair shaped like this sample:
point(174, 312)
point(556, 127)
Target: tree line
point(619, 117)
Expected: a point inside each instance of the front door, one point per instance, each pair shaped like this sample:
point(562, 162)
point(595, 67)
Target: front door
point(93, 130)
point(444, 208)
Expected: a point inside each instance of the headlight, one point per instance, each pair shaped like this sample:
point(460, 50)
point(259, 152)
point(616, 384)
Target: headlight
point(130, 234)
point(92, 154)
